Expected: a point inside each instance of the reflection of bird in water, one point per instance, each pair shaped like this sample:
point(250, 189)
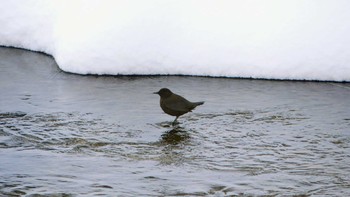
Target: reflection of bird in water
point(174, 145)
point(175, 105)
point(174, 137)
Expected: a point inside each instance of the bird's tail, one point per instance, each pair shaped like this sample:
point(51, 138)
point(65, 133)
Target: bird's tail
point(198, 103)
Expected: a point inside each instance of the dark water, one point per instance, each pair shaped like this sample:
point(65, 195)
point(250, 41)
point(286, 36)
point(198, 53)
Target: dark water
point(70, 135)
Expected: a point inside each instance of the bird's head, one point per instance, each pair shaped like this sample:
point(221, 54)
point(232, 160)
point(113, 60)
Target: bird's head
point(164, 93)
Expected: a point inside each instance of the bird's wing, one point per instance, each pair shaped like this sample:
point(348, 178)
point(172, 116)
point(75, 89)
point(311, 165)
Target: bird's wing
point(178, 107)
point(178, 103)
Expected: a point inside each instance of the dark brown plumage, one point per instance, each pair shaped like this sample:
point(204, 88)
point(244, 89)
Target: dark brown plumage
point(175, 105)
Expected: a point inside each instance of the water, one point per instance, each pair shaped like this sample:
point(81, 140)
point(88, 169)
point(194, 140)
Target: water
point(71, 135)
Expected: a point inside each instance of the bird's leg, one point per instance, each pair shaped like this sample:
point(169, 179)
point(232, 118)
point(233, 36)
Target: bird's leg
point(175, 121)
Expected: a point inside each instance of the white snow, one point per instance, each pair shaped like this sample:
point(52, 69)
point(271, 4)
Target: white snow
point(273, 39)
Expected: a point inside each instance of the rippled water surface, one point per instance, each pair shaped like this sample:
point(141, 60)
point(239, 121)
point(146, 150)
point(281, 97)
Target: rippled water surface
point(70, 135)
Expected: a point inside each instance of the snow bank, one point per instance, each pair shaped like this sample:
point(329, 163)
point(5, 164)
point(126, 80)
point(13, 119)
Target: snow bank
point(273, 39)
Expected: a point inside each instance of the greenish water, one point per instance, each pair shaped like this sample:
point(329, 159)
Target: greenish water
point(71, 135)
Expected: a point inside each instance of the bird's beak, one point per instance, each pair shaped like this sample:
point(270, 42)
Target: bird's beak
point(155, 92)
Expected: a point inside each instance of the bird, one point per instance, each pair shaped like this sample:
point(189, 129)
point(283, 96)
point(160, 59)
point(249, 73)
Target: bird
point(175, 105)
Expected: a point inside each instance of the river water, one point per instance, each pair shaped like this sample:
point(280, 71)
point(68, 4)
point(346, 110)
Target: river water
point(71, 135)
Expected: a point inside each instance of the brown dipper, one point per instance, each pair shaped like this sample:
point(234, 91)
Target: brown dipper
point(175, 105)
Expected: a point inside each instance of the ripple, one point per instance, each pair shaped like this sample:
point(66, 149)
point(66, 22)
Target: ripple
point(8, 115)
point(52, 131)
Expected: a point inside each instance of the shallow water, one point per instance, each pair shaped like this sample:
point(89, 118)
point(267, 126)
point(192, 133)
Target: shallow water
point(70, 135)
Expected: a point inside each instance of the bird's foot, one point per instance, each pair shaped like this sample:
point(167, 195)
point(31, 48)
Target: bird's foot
point(175, 123)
